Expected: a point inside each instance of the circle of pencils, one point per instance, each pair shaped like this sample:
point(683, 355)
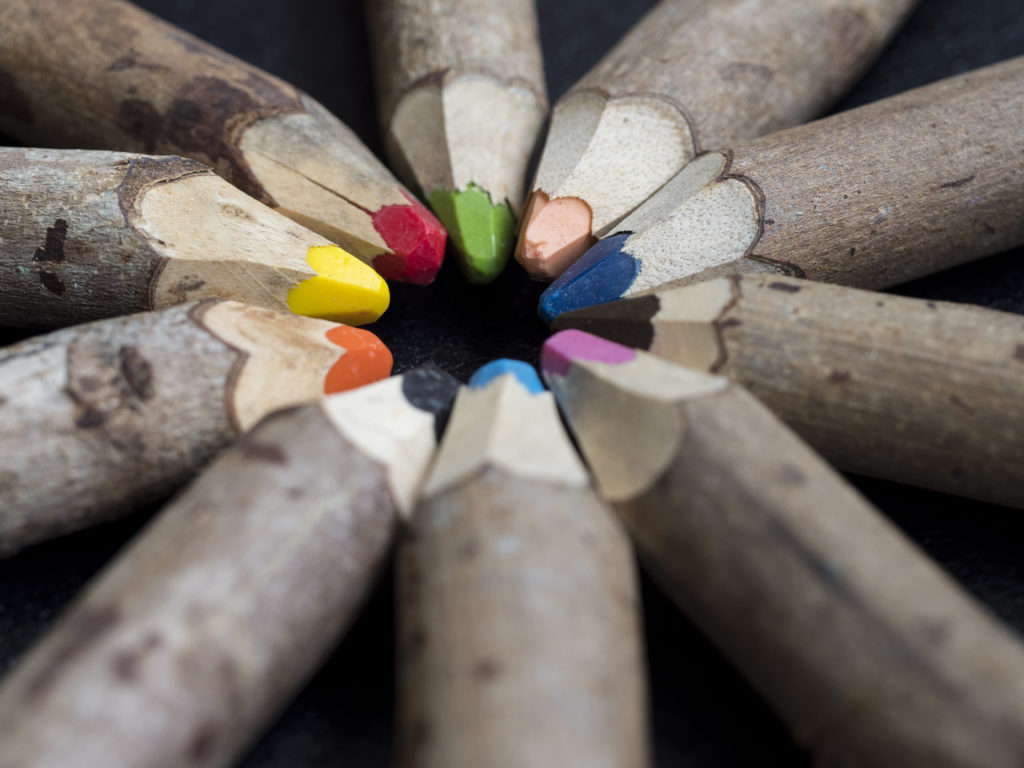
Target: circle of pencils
point(195, 239)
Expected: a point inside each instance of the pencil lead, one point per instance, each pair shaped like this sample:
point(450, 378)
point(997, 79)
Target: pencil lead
point(599, 276)
point(345, 289)
point(366, 360)
point(482, 232)
point(523, 373)
point(554, 234)
point(417, 241)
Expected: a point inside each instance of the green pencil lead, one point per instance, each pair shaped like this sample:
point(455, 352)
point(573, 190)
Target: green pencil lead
point(483, 233)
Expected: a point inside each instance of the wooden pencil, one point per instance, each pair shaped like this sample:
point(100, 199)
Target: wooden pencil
point(104, 74)
point(518, 638)
point(867, 650)
point(872, 197)
point(184, 648)
point(462, 101)
point(921, 392)
point(692, 75)
point(102, 418)
point(95, 234)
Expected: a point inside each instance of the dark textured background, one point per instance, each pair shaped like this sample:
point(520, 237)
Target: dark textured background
point(703, 714)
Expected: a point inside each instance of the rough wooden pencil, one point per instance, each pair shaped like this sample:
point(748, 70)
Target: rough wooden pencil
point(519, 638)
point(101, 418)
point(199, 634)
point(692, 75)
point(104, 74)
point(921, 392)
point(92, 234)
point(869, 652)
point(462, 101)
point(872, 197)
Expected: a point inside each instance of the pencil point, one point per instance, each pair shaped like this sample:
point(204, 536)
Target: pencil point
point(345, 289)
point(554, 234)
point(564, 347)
point(366, 360)
point(601, 275)
point(523, 372)
point(416, 239)
point(482, 232)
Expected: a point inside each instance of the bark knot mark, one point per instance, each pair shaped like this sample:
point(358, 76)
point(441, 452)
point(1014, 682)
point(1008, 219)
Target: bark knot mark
point(206, 119)
point(52, 252)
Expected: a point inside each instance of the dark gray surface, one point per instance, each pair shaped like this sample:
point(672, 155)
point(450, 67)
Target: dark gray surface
point(703, 714)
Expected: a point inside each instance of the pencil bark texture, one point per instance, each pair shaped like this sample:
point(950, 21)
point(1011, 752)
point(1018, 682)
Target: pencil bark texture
point(915, 391)
point(196, 636)
point(743, 68)
point(519, 631)
point(69, 252)
point(98, 419)
point(131, 82)
point(870, 653)
point(853, 199)
point(435, 39)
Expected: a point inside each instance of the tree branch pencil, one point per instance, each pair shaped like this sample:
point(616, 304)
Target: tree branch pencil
point(104, 74)
point(91, 234)
point(196, 637)
point(866, 649)
point(121, 412)
point(921, 392)
point(692, 75)
point(518, 624)
point(872, 197)
point(462, 101)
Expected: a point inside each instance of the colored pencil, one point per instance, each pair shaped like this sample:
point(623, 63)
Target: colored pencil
point(915, 391)
point(462, 101)
point(102, 418)
point(866, 649)
point(518, 639)
point(104, 74)
point(691, 75)
point(93, 234)
point(184, 648)
point(872, 197)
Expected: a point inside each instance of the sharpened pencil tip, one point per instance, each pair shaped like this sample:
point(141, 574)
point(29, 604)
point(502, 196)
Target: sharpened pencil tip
point(559, 351)
point(523, 372)
point(482, 233)
point(416, 239)
point(602, 274)
point(366, 360)
point(555, 233)
point(345, 290)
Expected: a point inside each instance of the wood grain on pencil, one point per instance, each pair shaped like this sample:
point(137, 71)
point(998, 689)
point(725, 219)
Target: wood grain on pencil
point(692, 75)
point(462, 101)
point(103, 418)
point(872, 197)
point(921, 392)
point(199, 634)
point(91, 234)
point(869, 652)
point(103, 74)
point(518, 617)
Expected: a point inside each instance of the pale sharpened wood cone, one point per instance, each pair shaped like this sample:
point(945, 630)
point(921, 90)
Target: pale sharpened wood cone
point(103, 418)
point(461, 92)
point(885, 193)
point(867, 650)
point(195, 637)
point(518, 637)
point(920, 392)
point(691, 76)
point(95, 234)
